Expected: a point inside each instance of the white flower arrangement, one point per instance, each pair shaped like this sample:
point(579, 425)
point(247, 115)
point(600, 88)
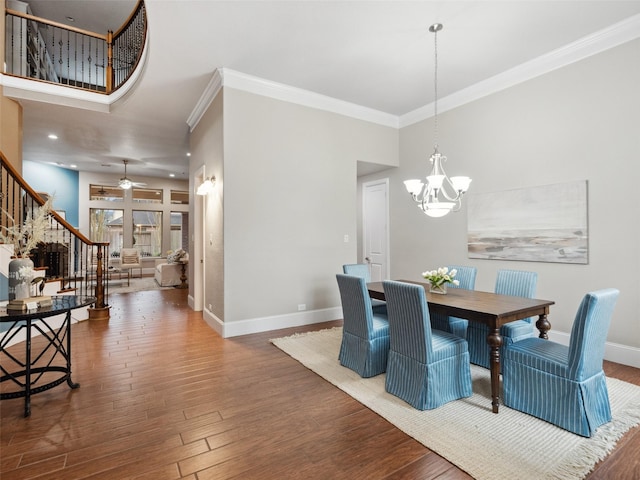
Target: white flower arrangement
point(25, 274)
point(26, 237)
point(442, 275)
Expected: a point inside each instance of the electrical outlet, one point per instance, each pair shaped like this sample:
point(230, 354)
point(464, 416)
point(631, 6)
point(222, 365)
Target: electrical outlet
point(302, 307)
point(346, 239)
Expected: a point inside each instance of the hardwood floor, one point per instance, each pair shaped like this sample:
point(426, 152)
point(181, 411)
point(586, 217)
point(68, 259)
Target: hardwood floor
point(164, 397)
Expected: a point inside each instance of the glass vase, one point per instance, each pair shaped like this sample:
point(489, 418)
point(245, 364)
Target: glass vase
point(439, 289)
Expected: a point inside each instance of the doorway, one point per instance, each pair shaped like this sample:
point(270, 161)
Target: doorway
point(375, 228)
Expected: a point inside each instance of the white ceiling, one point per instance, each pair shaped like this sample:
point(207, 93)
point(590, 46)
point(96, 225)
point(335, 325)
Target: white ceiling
point(377, 54)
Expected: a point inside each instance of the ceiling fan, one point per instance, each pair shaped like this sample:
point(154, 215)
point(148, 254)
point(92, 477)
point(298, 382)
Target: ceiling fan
point(126, 183)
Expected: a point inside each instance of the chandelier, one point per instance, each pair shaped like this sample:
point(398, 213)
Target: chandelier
point(441, 194)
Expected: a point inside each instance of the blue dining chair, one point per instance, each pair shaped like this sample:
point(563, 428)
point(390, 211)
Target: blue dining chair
point(518, 283)
point(362, 270)
point(564, 385)
point(365, 334)
point(426, 368)
point(458, 326)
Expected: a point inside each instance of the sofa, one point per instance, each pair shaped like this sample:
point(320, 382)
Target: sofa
point(168, 274)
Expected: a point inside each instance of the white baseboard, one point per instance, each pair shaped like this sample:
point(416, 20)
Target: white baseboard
point(614, 352)
point(265, 324)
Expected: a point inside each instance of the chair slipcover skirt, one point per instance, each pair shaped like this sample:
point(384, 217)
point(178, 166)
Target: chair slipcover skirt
point(426, 368)
point(564, 385)
point(365, 334)
point(544, 391)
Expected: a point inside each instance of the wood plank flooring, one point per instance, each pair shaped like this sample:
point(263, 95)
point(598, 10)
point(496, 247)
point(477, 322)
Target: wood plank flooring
point(164, 397)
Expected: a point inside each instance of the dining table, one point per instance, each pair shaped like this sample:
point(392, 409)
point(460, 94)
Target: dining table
point(491, 309)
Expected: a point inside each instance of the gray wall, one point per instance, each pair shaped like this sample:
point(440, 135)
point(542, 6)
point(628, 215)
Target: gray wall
point(207, 149)
point(290, 198)
point(579, 122)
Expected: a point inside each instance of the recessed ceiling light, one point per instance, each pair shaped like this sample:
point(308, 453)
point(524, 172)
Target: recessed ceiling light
point(53, 136)
point(188, 154)
point(73, 165)
point(172, 175)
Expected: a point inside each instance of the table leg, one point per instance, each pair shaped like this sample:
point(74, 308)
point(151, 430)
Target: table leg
point(494, 339)
point(543, 326)
point(27, 378)
point(70, 382)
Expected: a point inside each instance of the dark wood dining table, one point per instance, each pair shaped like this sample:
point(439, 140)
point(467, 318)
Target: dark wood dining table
point(491, 309)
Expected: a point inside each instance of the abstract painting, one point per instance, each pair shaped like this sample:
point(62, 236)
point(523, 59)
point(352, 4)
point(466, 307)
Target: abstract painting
point(539, 224)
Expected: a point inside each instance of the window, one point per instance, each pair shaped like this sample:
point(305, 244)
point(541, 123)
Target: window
point(147, 195)
point(179, 197)
point(147, 232)
point(106, 226)
point(106, 193)
point(179, 231)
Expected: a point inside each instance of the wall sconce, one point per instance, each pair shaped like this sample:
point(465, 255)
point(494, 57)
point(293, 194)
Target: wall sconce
point(206, 186)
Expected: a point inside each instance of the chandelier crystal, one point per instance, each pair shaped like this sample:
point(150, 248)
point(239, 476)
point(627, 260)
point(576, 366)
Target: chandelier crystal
point(441, 194)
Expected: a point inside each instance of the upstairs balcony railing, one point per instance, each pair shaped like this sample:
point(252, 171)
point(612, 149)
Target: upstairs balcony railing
point(44, 50)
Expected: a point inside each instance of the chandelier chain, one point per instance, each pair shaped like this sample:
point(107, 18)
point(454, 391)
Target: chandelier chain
point(435, 86)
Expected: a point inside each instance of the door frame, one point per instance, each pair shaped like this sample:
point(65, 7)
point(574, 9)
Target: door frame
point(197, 261)
point(385, 182)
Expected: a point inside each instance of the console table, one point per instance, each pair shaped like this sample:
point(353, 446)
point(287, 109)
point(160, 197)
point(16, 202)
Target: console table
point(47, 367)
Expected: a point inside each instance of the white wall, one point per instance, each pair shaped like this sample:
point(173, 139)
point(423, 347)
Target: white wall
point(289, 199)
point(207, 158)
point(579, 122)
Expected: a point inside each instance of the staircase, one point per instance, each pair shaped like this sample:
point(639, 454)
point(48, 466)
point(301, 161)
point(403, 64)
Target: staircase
point(71, 263)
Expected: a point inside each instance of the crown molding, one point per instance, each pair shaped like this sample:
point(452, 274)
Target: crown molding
point(279, 91)
point(210, 93)
point(617, 34)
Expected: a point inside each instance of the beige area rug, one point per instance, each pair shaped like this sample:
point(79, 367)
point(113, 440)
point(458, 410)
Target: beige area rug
point(137, 285)
point(509, 445)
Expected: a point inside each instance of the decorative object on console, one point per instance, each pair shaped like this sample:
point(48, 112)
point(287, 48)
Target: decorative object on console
point(439, 278)
point(24, 238)
point(439, 186)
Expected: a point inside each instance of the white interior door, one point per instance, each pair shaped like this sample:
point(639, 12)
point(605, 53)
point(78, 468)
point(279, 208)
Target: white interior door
point(375, 231)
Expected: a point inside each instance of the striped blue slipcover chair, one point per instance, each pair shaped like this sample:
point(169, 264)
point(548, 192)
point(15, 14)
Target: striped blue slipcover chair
point(518, 283)
point(362, 270)
point(458, 326)
point(365, 334)
point(564, 385)
point(426, 368)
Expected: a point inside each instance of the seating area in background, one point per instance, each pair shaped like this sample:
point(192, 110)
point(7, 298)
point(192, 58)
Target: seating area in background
point(564, 385)
point(168, 272)
point(426, 356)
point(130, 260)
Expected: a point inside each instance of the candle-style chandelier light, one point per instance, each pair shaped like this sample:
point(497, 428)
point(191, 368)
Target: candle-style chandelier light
point(441, 194)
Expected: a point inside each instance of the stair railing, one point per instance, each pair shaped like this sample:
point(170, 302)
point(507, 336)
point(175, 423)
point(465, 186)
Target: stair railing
point(49, 51)
point(65, 256)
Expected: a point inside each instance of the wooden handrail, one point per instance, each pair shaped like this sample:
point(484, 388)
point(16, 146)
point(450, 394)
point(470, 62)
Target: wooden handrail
point(129, 38)
point(40, 201)
point(56, 24)
point(66, 251)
